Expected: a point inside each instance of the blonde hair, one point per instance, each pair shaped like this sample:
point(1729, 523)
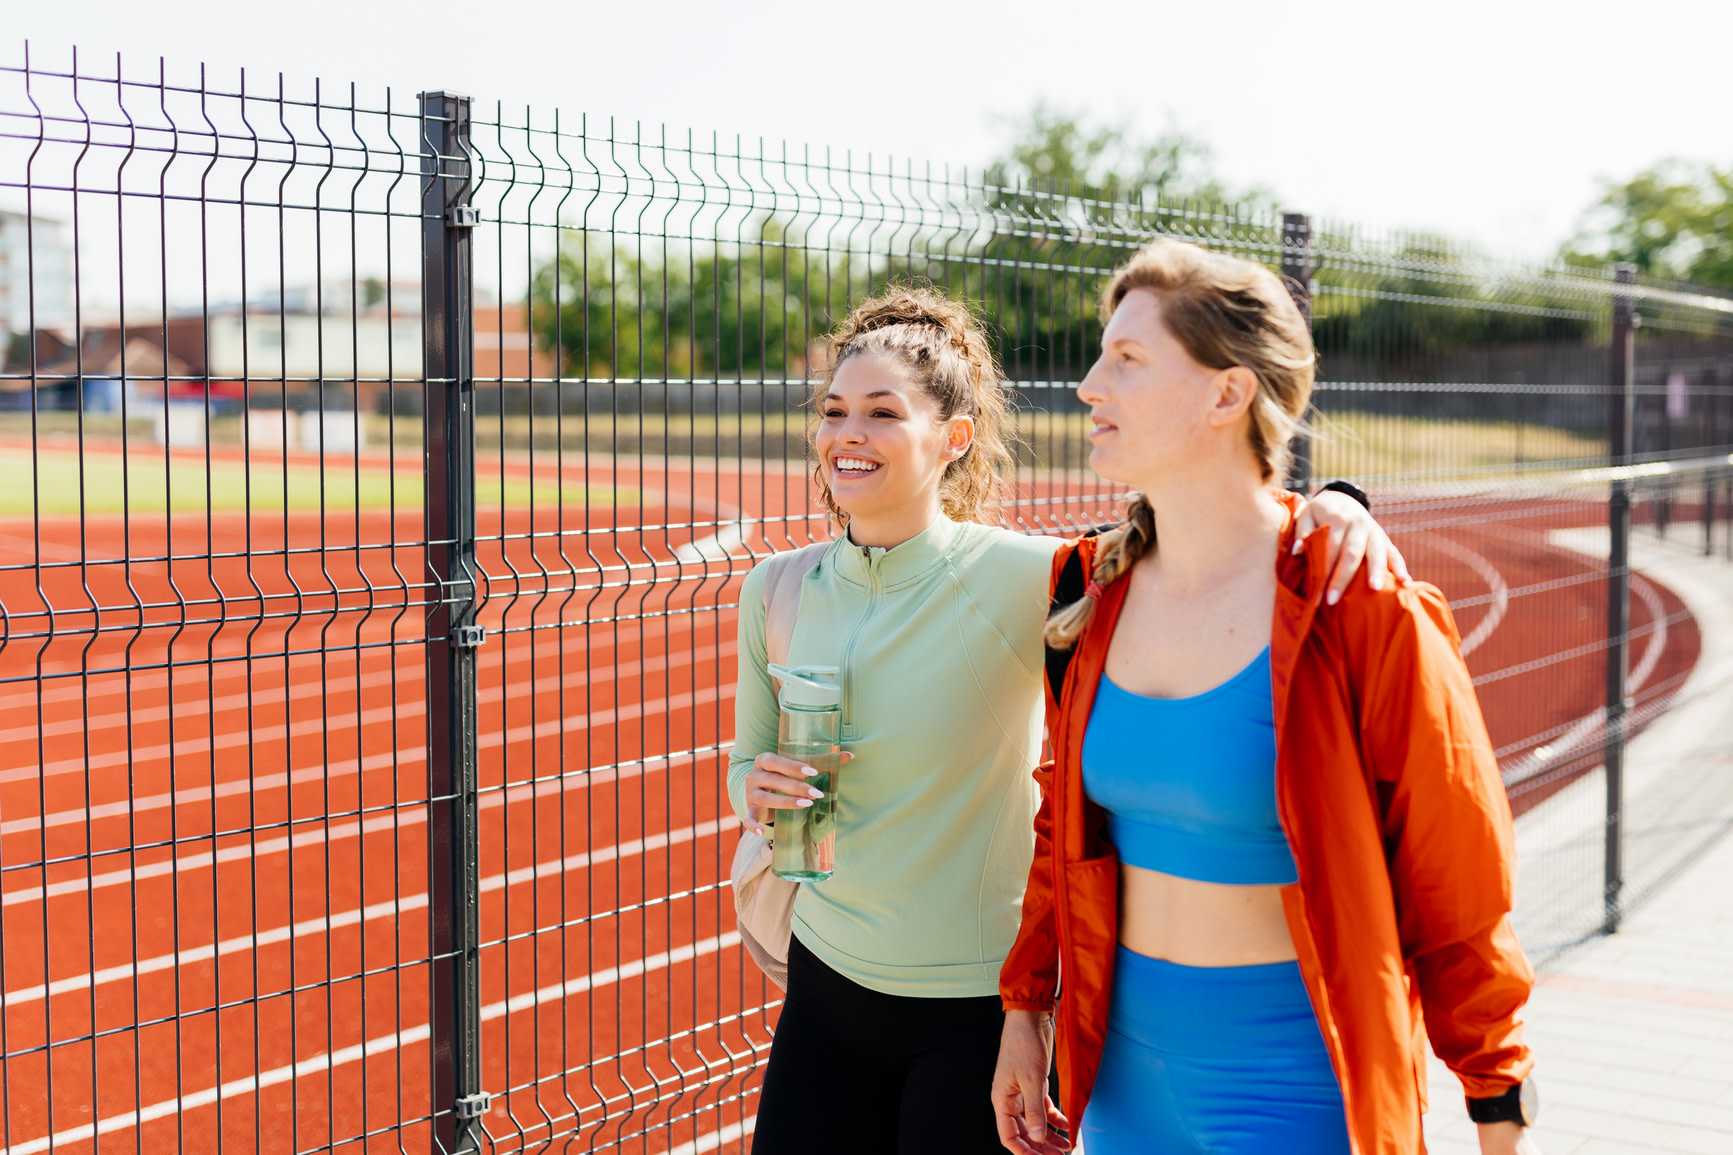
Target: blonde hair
point(1224, 312)
point(942, 347)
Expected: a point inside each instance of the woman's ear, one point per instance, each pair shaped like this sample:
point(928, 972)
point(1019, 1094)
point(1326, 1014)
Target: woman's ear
point(1235, 388)
point(959, 435)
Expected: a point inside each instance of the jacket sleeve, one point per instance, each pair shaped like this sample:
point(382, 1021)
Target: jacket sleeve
point(755, 708)
point(1448, 840)
point(1029, 979)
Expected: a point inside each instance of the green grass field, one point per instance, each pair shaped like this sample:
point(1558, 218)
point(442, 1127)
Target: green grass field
point(1372, 447)
point(63, 482)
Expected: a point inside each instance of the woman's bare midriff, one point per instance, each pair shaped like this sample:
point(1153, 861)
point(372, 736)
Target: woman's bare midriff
point(1201, 924)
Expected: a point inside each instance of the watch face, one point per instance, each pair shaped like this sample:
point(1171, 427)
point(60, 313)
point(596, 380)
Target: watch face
point(1529, 1098)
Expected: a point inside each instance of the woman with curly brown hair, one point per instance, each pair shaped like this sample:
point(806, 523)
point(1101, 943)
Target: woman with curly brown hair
point(1274, 854)
point(933, 615)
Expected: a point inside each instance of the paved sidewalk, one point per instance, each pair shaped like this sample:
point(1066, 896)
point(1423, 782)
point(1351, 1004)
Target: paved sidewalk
point(1633, 1032)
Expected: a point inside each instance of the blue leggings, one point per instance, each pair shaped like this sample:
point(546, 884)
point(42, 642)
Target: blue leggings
point(1223, 1060)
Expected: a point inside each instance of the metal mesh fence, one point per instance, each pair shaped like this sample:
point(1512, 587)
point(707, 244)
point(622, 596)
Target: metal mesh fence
point(380, 471)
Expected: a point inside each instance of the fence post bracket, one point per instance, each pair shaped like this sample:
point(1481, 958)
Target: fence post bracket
point(474, 1106)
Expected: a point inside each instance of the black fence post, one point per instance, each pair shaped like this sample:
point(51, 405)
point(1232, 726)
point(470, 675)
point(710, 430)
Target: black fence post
point(448, 366)
point(1621, 379)
point(1711, 410)
point(1297, 272)
point(1661, 492)
point(1709, 513)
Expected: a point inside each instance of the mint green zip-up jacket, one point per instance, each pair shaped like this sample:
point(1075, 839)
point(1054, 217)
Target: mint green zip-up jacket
point(939, 643)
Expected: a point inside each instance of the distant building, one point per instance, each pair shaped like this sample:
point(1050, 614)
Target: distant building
point(297, 350)
point(361, 341)
point(109, 364)
point(34, 253)
point(505, 351)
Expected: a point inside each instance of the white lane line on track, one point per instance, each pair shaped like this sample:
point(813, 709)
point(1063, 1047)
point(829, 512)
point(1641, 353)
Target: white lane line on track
point(303, 929)
point(188, 747)
point(125, 808)
point(62, 689)
point(234, 787)
point(394, 1041)
point(719, 546)
point(202, 859)
point(59, 690)
point(228, 1090)
point(409, 815)
point(1496, 587)
point(553, 868)
point(1584, 730)
point(185, 712)
point(716, 1138)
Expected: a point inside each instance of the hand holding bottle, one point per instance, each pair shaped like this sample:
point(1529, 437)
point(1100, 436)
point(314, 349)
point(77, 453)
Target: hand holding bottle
point(776, 782)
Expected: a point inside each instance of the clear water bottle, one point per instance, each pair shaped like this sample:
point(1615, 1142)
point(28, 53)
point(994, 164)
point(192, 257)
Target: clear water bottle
point(803, 843)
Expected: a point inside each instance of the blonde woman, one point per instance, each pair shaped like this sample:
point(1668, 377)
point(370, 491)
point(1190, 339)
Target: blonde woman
point(890, 1030)
point(1274, 854)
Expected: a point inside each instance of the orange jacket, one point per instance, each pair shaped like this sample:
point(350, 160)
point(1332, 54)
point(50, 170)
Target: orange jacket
point(1389, 793)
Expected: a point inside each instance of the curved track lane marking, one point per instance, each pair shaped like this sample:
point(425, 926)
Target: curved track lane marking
point(1497, 589)
point(560, 727)
point(406, 814)
point(1580, 734)
point(330, 1060)
point(389, 908)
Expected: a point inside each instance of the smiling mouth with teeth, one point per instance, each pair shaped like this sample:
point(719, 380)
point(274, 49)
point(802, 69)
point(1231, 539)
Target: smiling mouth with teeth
point(854, 466)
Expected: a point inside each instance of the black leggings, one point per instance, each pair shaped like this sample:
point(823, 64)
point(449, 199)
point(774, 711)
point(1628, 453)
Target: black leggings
point(852, 1070)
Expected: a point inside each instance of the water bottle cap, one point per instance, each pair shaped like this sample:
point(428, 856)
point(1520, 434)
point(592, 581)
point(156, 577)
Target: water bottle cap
point(815, 687)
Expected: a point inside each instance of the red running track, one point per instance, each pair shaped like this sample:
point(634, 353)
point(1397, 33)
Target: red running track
point(214, 920)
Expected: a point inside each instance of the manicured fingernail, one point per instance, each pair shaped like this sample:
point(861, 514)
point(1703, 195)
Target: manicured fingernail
point(1377, 581)
point(803, 802)
point(808, 771)
point(1335, 596)
point(814, 792)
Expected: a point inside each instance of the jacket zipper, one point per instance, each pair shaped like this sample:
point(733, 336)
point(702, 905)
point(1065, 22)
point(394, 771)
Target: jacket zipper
point(1064, 1018)
point(854, 638)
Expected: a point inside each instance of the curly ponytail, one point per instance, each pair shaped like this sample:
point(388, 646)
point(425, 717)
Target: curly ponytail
point(941, 345)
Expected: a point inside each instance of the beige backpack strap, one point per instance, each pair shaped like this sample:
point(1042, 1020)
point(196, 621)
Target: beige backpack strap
point(783, 574)
point(764, 903)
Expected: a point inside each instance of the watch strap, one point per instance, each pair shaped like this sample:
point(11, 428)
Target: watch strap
point(1516, 1105)
point(1349, 488)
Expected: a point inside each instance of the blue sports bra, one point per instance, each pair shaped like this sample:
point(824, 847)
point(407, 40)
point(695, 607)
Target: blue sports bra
point(1189, 784)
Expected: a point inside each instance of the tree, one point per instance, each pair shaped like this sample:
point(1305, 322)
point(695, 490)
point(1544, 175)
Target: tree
point(1057, 149)
point(1671, 221)
point(1426, 299)
point(676, 310)
point(1067, 194)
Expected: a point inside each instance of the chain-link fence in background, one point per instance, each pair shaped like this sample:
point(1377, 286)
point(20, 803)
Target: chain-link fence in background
point(379, 474)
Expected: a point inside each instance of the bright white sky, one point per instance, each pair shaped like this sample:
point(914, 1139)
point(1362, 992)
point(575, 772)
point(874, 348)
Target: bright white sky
point(1491, 120)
